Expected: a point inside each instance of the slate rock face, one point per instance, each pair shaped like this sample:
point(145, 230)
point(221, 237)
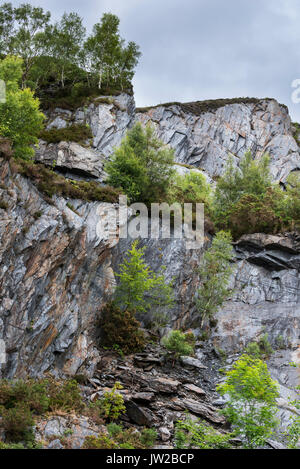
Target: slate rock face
point(57, 267)
point(205, 139)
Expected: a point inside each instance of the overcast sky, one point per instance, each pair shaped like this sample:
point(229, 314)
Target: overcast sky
point(204, 49)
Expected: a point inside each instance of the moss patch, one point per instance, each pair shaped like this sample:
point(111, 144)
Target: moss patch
point(49, 183)
point(74, 133)
point(199, 107)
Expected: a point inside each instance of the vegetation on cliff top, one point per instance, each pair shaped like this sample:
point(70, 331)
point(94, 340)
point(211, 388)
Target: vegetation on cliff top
point(210, 105)
point(59, 55)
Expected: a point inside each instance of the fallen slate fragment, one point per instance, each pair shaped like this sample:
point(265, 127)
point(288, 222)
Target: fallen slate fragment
point(206, 411)
point(190, 361)
point(165, 385)
point(195, 389)
point(276, 444)
point(144, 396)
point(138, 415)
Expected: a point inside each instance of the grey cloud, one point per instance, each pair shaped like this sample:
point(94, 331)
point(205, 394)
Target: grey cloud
point(203, 49)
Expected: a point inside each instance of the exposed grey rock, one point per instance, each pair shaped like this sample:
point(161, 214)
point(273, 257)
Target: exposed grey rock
point(72, 157)
point(205, 140)
point(276, 444)
point(195, 389)
point(138, 414)
point(55, 444)
point(165, 434)
point(208, 412)
point(165, 385)
point(194, 362)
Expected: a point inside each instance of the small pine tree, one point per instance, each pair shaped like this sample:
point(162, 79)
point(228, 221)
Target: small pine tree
point(215, 272)
point(140, 289)
point(142, 166)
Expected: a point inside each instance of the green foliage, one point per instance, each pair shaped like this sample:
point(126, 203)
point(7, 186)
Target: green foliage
point(251, 179)
point(260, 349)
point(21, 400)
point(245, 200)
point(64, 395)
point(196, 434)
point(148, 437)
point(140, 289)
point(252, 400)
point(23, 33)
point(67, 38)
point(58, 55)
point(210, 105)
point(50, 183)
point(293, 433)
point(190, 188)
point(102, 441)
point(111, 405)
point(74, 133)
point(142, 166)
point(17, 423)
point(20, 118)
point(118, 438)
point(215, 271)
point(120, 330)
point(178, 343)
point(106, 56)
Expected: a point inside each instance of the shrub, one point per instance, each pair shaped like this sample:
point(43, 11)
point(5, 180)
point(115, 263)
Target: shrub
point(252, 214)
point(190, 188)
point(118, 438)
point(111, 405)
point(215, 271)
point(64, 395)
point(148, 437)
point(102, 441)
point(74, 133)
point(259, 349)
point(293, 432)
point(197, 434)
point(17, 423)
point(252, 178)
point(252, 400)
point(121, 329)
point(178, 344)
point(142, 166)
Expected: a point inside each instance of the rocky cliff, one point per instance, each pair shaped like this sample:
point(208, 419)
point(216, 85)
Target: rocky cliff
point(57, 269)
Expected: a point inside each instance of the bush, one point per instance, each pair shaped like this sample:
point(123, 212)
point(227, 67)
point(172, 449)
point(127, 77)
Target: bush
point(260, 349)
point(118, 438)
point(121, 329)
point(18, 422)
point(64, 395)
point(190, 188)
point(178, 344)
point(21, 400)
point(74, 133)
point(252, 214)
point(196, 434)
point(102, 441)
point(252, 400)
point(142, 166)
point(111, 405)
